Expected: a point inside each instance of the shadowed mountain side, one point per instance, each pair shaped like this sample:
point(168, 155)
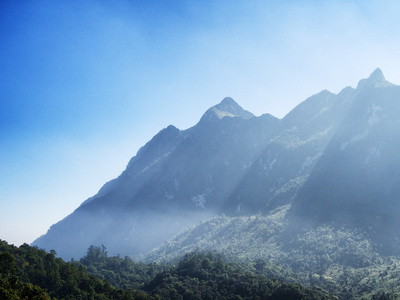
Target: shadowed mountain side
point(356, 182)
point(283, 167)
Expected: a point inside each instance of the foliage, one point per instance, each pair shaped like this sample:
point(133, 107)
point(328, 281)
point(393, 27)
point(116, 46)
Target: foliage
point(338, 262)
point(10, 285)
point(29, 272)
point(195, 276)
point(206, 276)
point(120, 272)
point(342, 261)
point(14, 289)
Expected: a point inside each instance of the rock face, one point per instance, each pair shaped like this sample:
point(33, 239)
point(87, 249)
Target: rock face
point(285, 163)
point(177, 179)
point(333, 156)
point(356, 182)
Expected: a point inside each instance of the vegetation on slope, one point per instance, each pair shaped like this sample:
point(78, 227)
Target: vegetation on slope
point(120, 272)
point(10, 285)
point(29, 273)
point(206, 276)
point(197, 276)
point(342, 261)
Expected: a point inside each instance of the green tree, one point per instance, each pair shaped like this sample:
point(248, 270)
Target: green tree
point(7, 264)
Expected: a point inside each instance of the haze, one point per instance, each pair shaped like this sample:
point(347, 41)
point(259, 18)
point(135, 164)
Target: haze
point(85, 84)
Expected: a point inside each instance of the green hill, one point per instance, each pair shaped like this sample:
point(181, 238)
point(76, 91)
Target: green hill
point(341, 261)
point(29, 273)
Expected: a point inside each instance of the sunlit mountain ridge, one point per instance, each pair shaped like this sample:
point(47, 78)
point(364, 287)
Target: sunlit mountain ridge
point(237, 164)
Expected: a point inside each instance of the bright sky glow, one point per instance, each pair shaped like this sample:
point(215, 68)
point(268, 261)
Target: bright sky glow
point(85, 84)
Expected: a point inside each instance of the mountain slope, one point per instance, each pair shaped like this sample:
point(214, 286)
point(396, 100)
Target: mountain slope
point(333, 158)
point(174, 181)
point(341, 261)
point(356, 182)
point(285, 163)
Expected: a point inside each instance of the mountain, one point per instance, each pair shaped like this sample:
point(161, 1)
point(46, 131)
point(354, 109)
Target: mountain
point(285, 163)
point(330, 161)
point(177, 179)
point(356, 181)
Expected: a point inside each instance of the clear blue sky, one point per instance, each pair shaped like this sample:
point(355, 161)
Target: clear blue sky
point(84, 84)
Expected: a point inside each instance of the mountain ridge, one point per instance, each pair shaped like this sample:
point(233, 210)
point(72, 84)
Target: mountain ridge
point(231, 162)
point(361, 158)
point(226, 108)
point(376, 79)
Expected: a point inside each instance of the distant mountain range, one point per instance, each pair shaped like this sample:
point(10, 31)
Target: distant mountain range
point(332, 160)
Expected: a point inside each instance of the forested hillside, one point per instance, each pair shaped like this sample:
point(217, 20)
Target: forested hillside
point(29, 273)
point(343, 262)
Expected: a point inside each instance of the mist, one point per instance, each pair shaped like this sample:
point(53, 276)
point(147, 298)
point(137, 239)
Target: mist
point(101, 80)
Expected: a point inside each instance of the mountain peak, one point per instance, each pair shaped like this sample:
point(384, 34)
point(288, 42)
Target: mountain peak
point(377, 76)
point(228, 101)
point(226, 108)
point(376, 79)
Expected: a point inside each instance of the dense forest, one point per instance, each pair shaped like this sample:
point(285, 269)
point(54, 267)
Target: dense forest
point(30, 273)
point(343, 262)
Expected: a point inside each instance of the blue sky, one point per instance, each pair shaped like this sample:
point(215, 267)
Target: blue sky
point(84, 84)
